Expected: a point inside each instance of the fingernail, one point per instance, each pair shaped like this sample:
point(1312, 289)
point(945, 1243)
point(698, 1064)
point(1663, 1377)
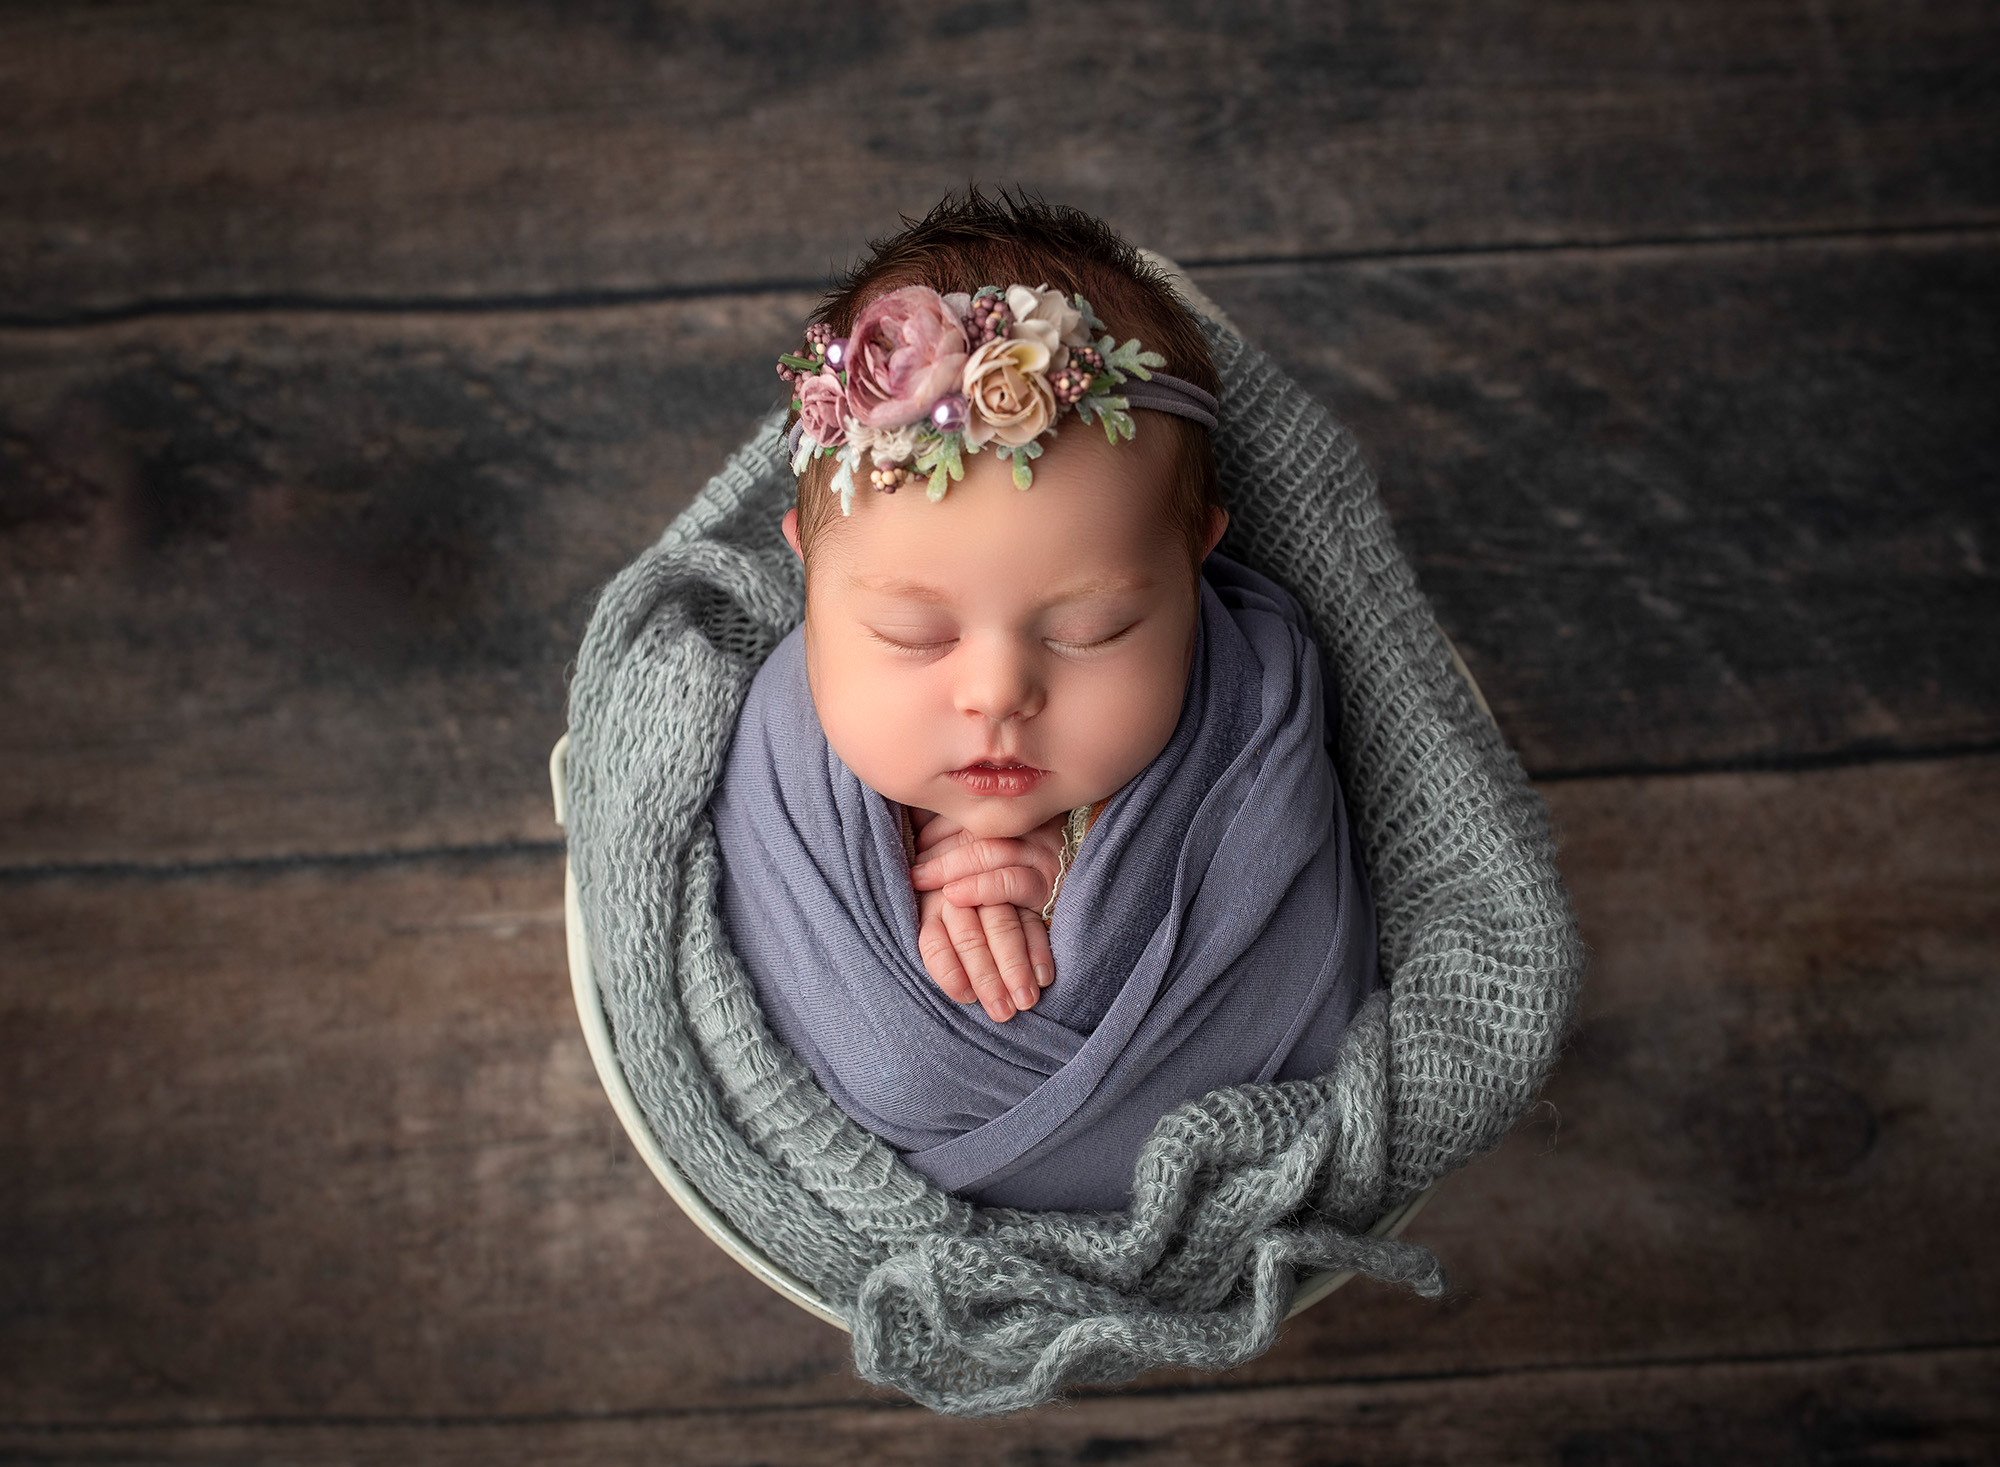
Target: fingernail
point(1024, 997)
point(1044, 974)
point(1000, 1011)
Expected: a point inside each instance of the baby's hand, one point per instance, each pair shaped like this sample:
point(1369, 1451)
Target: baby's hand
point(998, 955)
point(983, 873)
point(979, 905)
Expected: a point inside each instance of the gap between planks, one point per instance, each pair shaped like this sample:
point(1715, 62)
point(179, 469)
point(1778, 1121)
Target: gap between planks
point(1856, 758)
point(264, 865)
point(1970, 231)
point(1220, 1388)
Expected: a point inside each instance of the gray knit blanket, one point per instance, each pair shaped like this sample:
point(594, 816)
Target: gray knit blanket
point(1236, 1195)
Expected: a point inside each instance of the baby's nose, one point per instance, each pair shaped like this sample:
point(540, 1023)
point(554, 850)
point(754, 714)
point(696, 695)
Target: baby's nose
point(999, 682)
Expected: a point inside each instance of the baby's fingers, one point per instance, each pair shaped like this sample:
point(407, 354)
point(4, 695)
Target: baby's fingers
point(956, 862)
point(1039, 952)
point(941, 959)
point(1016, 886)
point(1009, 946)
point(969, 942)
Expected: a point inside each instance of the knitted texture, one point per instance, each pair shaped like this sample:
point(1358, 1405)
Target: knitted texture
point(1236, 1195)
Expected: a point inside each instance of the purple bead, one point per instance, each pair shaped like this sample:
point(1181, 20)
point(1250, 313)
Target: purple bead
point(949, 414)
point(836, 353)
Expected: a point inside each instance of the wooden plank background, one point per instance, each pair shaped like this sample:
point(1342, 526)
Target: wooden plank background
point(345, 351)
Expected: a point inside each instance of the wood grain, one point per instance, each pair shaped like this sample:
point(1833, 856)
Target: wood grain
point(345, 351)
point(1915, 1407)
point(325, 1143)
point(155, 153)
point(309, 583)
point(313, 585)
point(330, 1144)
point(1682, 508)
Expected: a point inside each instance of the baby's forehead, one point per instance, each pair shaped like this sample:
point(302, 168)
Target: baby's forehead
point(869, 552)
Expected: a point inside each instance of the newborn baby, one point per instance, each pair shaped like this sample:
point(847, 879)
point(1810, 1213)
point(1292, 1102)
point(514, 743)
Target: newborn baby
point(985, 677)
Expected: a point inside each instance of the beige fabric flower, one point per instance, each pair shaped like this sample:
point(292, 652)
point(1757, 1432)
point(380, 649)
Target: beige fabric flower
point(1043, 315)
point(1010, 397)
point(893, 445)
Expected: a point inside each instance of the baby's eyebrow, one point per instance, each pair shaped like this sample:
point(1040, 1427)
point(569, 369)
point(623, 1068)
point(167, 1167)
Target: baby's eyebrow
point(1101, 586)
point(1074, 591)
point(896, 586)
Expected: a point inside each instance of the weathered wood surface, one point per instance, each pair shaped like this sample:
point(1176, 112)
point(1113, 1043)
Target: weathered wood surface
point(329, 1143)
point(312, 585)
point(1683, 507)
point(1932, 1407)
point(158, 153)
point(309, 583)
point(1774, 1118)
point(324, 1145)
point(304, 1161)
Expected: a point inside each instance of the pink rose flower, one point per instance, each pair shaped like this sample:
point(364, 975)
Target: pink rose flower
point(906, 351)
point(1010, 395)
point(823, 409)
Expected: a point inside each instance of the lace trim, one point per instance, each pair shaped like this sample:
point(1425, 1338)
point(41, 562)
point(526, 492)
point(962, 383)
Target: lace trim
point(1074, 829)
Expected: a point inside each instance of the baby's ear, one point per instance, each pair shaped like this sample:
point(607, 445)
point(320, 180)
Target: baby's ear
point(1218, 521)
point(790, 525)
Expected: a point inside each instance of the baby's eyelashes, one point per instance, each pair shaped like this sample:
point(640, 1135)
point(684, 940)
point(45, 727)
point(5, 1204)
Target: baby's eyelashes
point(1092, 642)
point(916, 645)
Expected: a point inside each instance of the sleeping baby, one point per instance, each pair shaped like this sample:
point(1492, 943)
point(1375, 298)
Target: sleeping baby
point(1030, 832)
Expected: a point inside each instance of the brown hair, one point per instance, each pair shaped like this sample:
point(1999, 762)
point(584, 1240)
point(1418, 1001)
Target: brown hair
point(973, 239)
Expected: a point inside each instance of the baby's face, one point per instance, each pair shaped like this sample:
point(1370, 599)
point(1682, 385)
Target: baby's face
point(1003, 655)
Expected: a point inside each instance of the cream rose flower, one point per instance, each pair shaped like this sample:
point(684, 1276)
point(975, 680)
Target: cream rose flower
point(1043, 315)
point(1009, 393)
point(859, 434)
point(892, 445)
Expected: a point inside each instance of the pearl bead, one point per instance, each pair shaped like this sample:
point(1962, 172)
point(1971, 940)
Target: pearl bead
point(836, 353)
point(949, 414)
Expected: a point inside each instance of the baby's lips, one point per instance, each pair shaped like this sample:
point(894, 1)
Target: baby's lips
point(1009, 780)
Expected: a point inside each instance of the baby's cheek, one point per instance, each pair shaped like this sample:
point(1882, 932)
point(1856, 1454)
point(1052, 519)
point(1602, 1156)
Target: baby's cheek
point(879, 727)
point(1128, 717)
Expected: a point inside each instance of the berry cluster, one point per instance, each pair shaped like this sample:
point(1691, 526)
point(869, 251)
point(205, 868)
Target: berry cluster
point(988, 321)
point(819, 336)
point(1069, 385)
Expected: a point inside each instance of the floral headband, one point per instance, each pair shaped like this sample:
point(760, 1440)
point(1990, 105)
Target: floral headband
point(924, 379)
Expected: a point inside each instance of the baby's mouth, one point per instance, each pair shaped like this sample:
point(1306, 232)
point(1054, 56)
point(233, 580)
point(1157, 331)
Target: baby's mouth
point(999, 777)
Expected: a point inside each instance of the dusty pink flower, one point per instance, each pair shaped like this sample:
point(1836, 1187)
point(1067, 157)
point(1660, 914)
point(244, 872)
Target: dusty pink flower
point(1011, 399)
point(906, 351)
point(823, 409)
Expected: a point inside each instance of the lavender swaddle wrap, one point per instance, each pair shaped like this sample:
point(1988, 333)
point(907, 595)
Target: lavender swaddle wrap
point(1216, 927)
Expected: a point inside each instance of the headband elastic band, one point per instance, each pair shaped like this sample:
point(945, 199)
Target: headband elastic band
point(1168, 394)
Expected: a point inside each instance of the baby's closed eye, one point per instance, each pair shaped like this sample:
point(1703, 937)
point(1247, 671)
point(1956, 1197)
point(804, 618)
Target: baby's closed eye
point(914, 640)
point(1091, 638)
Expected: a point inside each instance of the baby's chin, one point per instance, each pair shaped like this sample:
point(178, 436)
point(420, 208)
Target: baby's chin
point(990, 818)
point(1003, 819)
